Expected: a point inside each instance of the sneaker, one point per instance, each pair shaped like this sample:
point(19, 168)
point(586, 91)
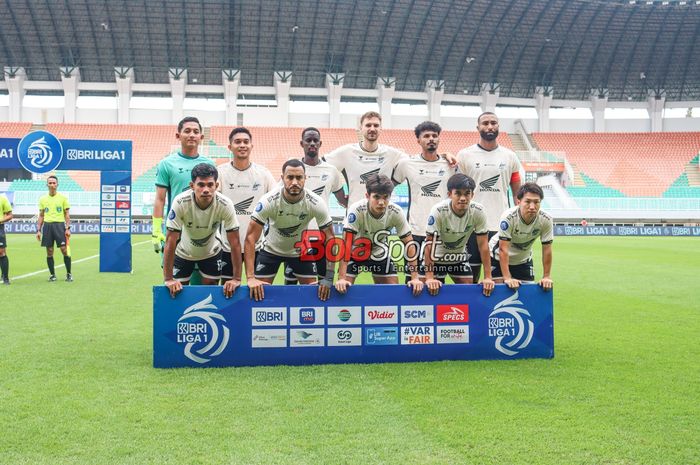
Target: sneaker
point(6, 281)
point(69, 278)
point(52, 278)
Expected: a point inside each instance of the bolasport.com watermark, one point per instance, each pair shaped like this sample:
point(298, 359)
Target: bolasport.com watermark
point(314, 247)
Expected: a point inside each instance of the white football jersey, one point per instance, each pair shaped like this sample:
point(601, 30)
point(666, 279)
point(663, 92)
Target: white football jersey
point(244, 188)
point(287, 221)
point(427, 185)
point(492, 171)
point(361, 222)
point(356, 165)
point(323, 180)
point(522, 235)
point(453, 231)
point(199, 229)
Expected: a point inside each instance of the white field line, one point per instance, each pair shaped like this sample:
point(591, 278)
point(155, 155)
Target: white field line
point(73, 263)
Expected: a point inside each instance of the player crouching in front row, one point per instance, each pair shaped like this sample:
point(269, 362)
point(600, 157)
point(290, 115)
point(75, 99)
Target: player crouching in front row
point(193, 234)
point(450, 224)
point(372, 220)
point(512, 246)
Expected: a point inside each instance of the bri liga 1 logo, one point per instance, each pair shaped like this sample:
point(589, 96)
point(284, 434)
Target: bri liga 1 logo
point(40, 152)
point(511, 325)
point(203, 331)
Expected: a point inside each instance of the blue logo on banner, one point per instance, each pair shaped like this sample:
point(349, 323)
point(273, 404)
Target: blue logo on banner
point(307, 316)
point(382, 336)
point(40, 152)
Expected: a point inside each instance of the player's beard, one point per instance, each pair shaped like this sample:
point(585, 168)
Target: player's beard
point(489, 136)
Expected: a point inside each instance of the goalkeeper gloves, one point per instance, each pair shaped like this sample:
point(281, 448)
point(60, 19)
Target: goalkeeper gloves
point(157, 237)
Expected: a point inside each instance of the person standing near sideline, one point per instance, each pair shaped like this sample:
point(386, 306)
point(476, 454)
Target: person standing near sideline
point(5, 216)
point(54, 226)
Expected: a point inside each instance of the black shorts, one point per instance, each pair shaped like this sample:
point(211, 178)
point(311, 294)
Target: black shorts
point(53, 233)
point(3, 237)
point(320, 269)
point(523, 272)
point(473, 248)
point(209, 268)
point(227, 270)
point(382, 268)
point(267, 264)
point(455, 270)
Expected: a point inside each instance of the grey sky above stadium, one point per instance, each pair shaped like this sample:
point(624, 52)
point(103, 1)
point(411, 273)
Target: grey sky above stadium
point(572, 46)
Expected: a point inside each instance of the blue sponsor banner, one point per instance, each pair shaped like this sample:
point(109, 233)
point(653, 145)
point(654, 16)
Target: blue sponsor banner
point(8, 153)
point(291, 326)
point(81, 227)
point(115, 221)
point(623, 230)
point(96, 155)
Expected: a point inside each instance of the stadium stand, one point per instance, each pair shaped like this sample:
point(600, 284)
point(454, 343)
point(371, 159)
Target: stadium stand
point(635, 164)
point(14, 130)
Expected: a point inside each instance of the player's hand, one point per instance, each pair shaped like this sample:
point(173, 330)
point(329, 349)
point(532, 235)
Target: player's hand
point(38, 235)
point(433, 286)
point(324, 292)
point(158, 239)
point(342, 285)
point(512, 283)
point(230, 287)
point(488, 286)
point(450, 158)
point(257, 291)
point(546, 284)
point(174, 286)
point(67, 233)
point(417, 286)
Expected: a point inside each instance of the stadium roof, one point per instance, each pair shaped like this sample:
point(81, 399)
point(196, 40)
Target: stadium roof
point(627, 47)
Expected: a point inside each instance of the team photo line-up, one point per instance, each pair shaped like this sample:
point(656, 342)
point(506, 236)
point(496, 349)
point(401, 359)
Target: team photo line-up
point(458, 219)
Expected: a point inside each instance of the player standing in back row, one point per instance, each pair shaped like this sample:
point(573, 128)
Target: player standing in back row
point(493, 168)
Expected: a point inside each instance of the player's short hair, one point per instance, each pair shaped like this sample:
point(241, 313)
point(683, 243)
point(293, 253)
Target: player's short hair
point(370, 114)
point(239, 131)
point(530, 187)
point(379, 184)
point(303, 133)
point(294, 163)
point(52, 176)
point(204, 170)
point(427, 126)
point(460, 181)
point(188, 119)
point(478, 120)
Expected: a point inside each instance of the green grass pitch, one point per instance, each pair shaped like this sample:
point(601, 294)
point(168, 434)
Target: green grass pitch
point(77, 386)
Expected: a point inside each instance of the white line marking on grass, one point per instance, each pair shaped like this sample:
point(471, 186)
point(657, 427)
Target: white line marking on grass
point(63, 266)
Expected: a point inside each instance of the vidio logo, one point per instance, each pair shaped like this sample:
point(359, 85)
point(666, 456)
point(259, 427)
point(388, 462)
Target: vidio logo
point(511, 326)
point(203, 332)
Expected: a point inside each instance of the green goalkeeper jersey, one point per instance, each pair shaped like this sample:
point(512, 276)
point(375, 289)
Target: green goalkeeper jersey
point(174, 173)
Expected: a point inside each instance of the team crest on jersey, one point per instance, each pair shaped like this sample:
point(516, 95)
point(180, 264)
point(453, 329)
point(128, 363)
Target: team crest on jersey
point(431, 220)
point(352, 218)
point(504, 225)
point(259, 207)
point(324, 177)
point(171, 215)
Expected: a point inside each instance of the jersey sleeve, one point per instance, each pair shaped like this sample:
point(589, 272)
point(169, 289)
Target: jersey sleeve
point(174, 222)
point(352, 221)
point(338, 180)
point(433, 222)
point(230, 220)
point(547, 236)
point(322, 214)
point(403, 229)
point(162, 174)
point(516, 167)
point(262, 210)
point(336, 158)
point(270, 182)
point(399, 174)
point(480, 224)
point(505, 228)
point(66, 203)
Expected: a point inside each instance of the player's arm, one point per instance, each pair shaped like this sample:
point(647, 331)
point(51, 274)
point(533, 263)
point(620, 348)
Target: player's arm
point(171, 240)
point(431, 283)
point(326, 283)
point(343, 283)
point(515, 186)
point(39, 224)
point(504, 261)
point(157, 237)
point(450, 158)
point(415, 283)
point(254, 285)
point(341, 197)
point(6, 217)
point(482, 240)
point(231, 285)
point(66, 216)
point(546, 281)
